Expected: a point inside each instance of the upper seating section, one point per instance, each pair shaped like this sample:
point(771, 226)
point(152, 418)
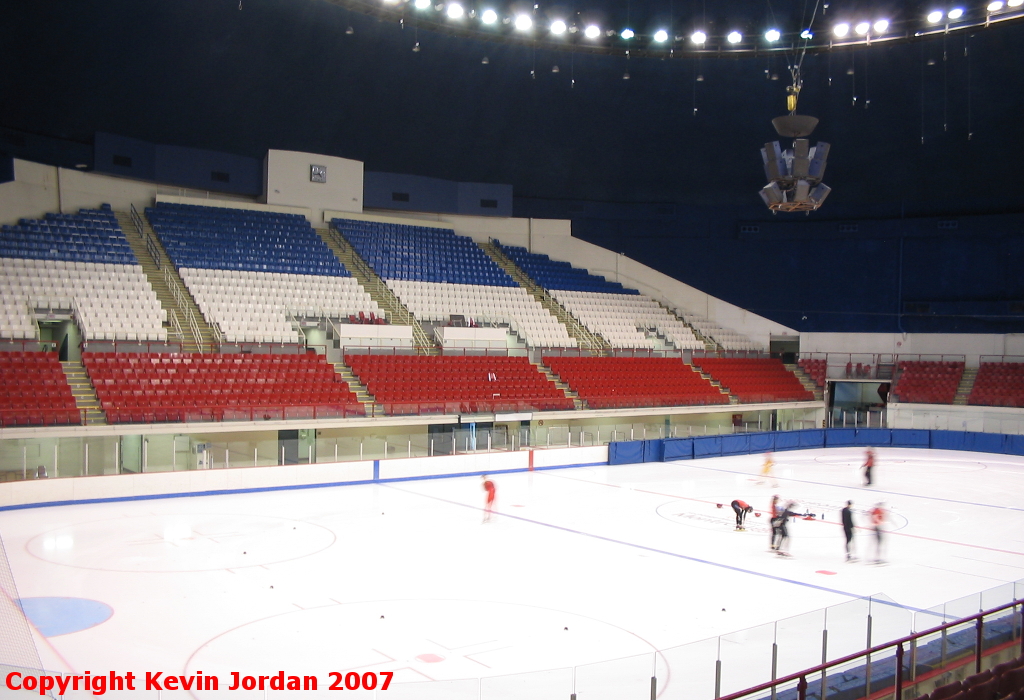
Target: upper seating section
point(754, 380)
point(726, 337)
point(421, 253)
point(34, 390)
point(816, 370)
point(177, 387)
point(90, 236)
point(556, 274)
point(413, 384)
point(626, 382)
point(999, 384)
point(624, 319)
point(436, 302)
point(926, 381)
point(216, 238)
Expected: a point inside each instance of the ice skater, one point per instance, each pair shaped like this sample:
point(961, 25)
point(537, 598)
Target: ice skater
point(783, 542)
point(766, 470)
point(741, 508)
point(773, 522)
point(878, 517)
point(848, 529)
point(869, 464)
point(491, 493)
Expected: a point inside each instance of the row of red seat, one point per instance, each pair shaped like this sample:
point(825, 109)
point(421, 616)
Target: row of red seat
point(148, 387)
point(999, 384)
point(624, 382)
point(410, 384)
point(817, 370)
point(34, 390)
point(1004, 681)
point(755, 380)
point(927, 381)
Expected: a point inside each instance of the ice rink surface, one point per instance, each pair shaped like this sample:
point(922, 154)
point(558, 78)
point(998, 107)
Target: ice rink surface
point(577, 566)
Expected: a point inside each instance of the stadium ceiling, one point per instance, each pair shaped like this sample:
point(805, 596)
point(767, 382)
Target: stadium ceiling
point(676, 30)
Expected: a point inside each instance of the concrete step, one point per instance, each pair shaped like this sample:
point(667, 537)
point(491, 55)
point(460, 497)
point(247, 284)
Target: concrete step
point(84, 392)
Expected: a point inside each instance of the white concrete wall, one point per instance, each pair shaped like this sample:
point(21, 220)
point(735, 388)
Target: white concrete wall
point(287, 182)
point(972, 346)
point(978, 419)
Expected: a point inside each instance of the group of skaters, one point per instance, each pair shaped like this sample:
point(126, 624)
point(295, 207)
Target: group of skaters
point(782, 513)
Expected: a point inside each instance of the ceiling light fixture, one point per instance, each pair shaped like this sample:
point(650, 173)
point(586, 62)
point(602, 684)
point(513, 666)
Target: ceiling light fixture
point(627, 34)
point(772, 35)
point(455, 11)
point(661, 36)
point(841, 29)
point(806, 34)
point(524, 22)
point(489, 17)
point(592, 31)
point(880, 26)
point(423, 4)
point(558, 27)
point(698, 37)
point(862, 28)
point(955, 13)
point(734, 37)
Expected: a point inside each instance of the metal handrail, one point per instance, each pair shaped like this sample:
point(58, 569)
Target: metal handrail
point(151, 246)
point(179, 297)
point(801, 676)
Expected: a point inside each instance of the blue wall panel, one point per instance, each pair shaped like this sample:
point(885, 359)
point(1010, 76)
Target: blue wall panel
point(810, 439)
point(878, 437)
point(947, 440)
point(911, 438)
point(1014, 445)
point(735, 444)
point(654, 450)
point(707, 447)
point(678, 448)
point(985, 442)
point(788, 441)
point(762, 442)
point(840, 437)
point(626, 452)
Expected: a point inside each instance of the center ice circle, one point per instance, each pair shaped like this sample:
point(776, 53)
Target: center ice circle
point(180, 542)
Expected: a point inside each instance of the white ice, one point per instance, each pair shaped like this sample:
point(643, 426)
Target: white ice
point(578, 567)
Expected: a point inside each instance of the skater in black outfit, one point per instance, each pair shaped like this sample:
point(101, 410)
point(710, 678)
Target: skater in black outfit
point(774, 522)
point(783, 519)
point(740, 508)
point(848, 528)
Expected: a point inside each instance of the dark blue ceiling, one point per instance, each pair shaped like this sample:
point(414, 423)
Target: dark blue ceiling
point(931, 121)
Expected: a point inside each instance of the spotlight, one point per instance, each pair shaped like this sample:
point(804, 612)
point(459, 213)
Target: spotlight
point(558, 27)
point(881, 25)
point(995, 6)
point(489, 17)
point(627, 34)
point(806, 34)
point(862, 28)
point(661, 36)
point(485, 60)
point(524, 22)
point(1014, 3)
point(935, 17)
point(698, 37)
point(455, 10)
point(554, 69)
point(423, 4)
point(734, 37)
point(772, 35)
point(955, 13)
point(592, 31)
point(841, 29)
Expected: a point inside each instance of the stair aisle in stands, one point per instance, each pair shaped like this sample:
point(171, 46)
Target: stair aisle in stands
point(154, 270)
point(357, 388)
point(378, 291)
point(963, 390)
point(84, 393)
point(584, 337)
point(566, 389)
point(808, 383)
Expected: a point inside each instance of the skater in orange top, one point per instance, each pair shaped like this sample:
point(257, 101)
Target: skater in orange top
point(491, 492)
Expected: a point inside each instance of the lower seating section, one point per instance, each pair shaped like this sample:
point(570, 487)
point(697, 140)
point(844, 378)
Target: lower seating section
point(625, 382)
point(926, 381)
point(816, 370)
point(433, 301)
point(414, 384)
point(999, 384)
point(34, 390)
point(1006, 680)
point(727, 338)
point(177, 387)
point(754, 380)
point(254, 307)
point(622, 319)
